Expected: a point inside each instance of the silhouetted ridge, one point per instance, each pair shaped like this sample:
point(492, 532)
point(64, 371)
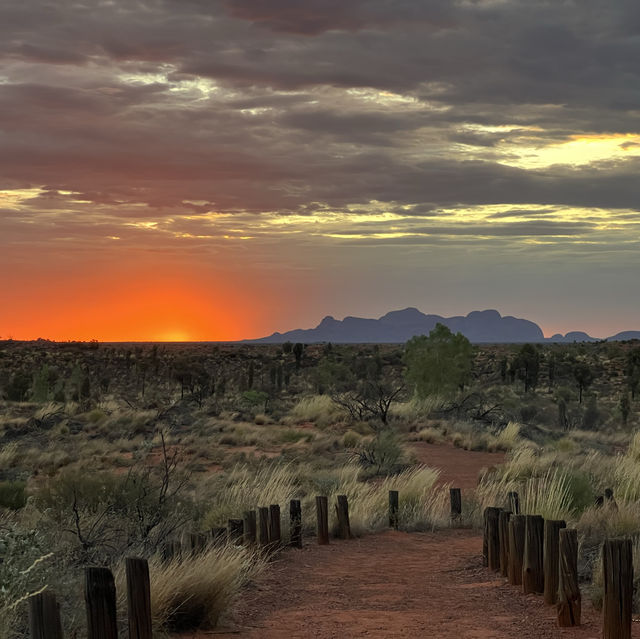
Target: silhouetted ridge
point(402, 325)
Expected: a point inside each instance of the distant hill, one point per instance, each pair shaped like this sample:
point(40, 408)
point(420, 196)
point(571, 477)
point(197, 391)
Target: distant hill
point(625, 336)
point(399, 326)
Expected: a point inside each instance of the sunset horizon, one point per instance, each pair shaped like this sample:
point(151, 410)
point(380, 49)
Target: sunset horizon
point(222, 171)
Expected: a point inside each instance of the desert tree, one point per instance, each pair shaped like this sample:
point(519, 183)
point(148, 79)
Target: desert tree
point(527, 366)
point(438, 364)
point(583, 376)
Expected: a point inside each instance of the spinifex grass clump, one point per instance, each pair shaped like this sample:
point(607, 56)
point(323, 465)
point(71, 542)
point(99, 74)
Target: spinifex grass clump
point(422, 503)
point(247, 488)
point(548, 495)
point(192, 592)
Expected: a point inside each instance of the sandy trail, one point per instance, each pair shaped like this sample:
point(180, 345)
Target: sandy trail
point(397, 584)
point(457, 466)
point(394, 585)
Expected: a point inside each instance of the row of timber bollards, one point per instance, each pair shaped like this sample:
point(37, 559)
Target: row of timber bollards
point(259, 528)
point(100, 604)
point(541, 556)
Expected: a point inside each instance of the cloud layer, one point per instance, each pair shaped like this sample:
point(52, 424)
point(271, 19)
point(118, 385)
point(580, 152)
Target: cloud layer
point(228, 135)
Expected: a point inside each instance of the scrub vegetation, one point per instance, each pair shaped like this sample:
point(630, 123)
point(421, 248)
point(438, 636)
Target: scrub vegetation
point(111, 450)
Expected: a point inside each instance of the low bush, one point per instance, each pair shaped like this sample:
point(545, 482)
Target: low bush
point(192, 592)
point(13, 494)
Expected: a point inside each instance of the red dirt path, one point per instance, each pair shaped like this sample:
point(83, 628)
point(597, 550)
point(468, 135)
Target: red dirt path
point(394, 585)
point(457, 466)
point(397, 585)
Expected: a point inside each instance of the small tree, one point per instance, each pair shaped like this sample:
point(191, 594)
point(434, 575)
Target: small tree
point(584, 377)
point(633, 371)
point(298, 349)
point(527, 365)
point(438, 364)
point(625, 408)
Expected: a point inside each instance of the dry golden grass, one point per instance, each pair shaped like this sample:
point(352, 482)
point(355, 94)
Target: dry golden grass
point(193, 592)
point(319, 409)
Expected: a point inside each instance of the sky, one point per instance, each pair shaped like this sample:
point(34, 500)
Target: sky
point(221, 169)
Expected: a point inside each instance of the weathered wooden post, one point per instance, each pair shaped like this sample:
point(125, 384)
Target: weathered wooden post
point(485, 537)
point(322, 515)
point(393, 509)
point(609, 499)
point(219, 536)
point(617, 565)
point(249, 528)
point(516, 549)
point(493, 538)
point(514, 502)
point(503, 540)
point(235, 531)
point(171, 550)
point(138, 598)
point(455, 500)
point(100, 600)
point(295, 523)
point(275, 535)
point(342, 513)
point(569, 601)
point(197, 542)
point(552, 559)
point(532, 563)
point(263, 527)
point(44, 616)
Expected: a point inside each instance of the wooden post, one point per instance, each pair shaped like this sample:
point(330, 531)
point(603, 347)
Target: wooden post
point(171, 550)
point(342, 513)
point(249, 528)
point(295, 523)
point(235, 531)
point(138, 598)
point(516, 549)
point(455, 499)
point(275, 534)
point(219, 536)
point(322, 515)
point(393, 509)
point(100, 600)
point(569, 601)
point(617, 565)
point(551, 559)
point(44, 616)
point(532, 563)
point(197, 543)
point(514, 502)
point(485, 537)
point(493, 538)
point(263, 527)
point(503, 541)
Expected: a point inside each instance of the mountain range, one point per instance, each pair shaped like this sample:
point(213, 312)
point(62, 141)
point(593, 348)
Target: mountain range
point(399, 326)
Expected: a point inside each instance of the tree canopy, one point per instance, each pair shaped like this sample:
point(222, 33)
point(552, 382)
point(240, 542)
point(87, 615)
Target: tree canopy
point(438, 364)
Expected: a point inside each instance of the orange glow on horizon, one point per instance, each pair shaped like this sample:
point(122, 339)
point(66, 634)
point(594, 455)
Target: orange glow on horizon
point(161, 308)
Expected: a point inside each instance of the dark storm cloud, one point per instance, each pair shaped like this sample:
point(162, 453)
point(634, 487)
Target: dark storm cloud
point(285, 106)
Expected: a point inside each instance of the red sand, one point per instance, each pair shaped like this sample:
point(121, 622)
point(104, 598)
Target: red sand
point(396, 585)
point(458, 467)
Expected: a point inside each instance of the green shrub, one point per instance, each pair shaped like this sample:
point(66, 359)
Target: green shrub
point(351, 439)
point(13, 494)
point(384, 454)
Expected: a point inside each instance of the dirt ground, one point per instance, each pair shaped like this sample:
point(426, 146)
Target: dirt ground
point(458, 467)
point(394, 585)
